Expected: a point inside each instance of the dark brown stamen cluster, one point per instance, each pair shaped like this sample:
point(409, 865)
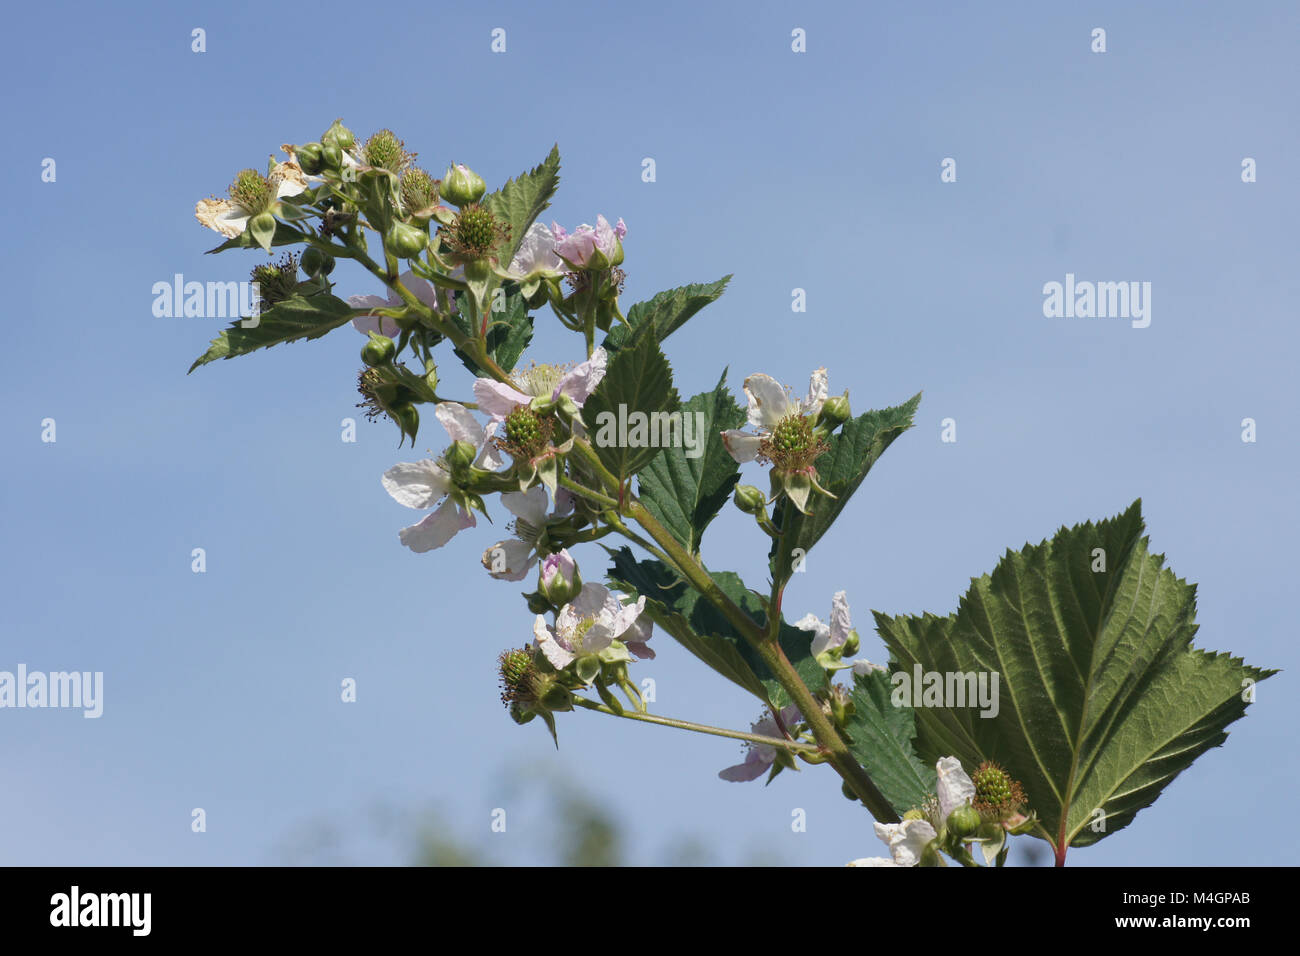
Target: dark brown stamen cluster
point(276, 281)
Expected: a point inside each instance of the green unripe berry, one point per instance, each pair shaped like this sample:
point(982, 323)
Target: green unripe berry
point(963, 821)
point(309, 158)
point(316, 263)
point(405, 241)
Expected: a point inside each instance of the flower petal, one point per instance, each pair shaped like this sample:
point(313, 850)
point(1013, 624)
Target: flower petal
point(768, 402)
point(417, 484)
point(460, 423)
point(841, 624)
point(497, 399)
point(509, 560)
point(579, 383)
point(437, 528)
point(742, 446)
point(559, 656)
point(529, 505)
point(906, 840)
point(954, 787)
point(221, 215)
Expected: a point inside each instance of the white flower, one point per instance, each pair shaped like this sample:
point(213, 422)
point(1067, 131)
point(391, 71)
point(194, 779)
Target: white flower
point(423, 484)
point(826, 637)
point(511, 560)
point(906, 840)
point(769, 405)
point(230, 216)
point(499, 399)
point(589, 625)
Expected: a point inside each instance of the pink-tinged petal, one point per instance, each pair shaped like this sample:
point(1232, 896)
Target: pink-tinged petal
point(460, 423)
point(605, 238)
point(529, 505)
point(564, 502)
point(368, 302)
point(417, 484)
point(636, 637)
point(753, 768)
point(558, 231)
point(380, 325)
point(742, 446)
point(422, 288)
point(559, 656)
point(578, 246)
point(841, 624)
point(620, 229)
point(437, 528)
point(509, 560)
point(497, 399)
point(768, 402)
point(582, 380)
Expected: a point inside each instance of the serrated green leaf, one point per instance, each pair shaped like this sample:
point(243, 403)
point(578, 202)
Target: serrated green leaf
point(509, 333)
point(880, 738)
point(519, 202)
point(705, 631)
point(637, 382)
point(284, 236)
point(853, 450)
point(686, 493)
point(1102, 699)
point(668, 311)
point(297, 317)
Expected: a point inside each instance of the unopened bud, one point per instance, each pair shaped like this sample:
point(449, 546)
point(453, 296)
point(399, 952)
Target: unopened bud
point(462, 186)
point(749, 499)
point(834, 411)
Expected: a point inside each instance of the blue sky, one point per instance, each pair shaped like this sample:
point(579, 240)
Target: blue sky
point(818, 171)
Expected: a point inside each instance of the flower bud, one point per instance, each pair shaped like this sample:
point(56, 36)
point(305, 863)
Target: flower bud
point(749, 500)
point(851, 644)
point(405, 241)
point(379, 350)
point(558, 579)
point(331, 157)
point(834, 411)
point(459, 456)
point(309, 158)
point(316, 263)
point(338, 135)
point(538, 604)
point(462, 186)
point(963, 821)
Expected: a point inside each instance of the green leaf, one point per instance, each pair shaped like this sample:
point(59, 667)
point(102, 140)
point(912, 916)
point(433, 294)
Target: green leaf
point(297, 317)
point(853, 450)
point(705, 631)
point(284, 236)
point(685, 493)
point(668, 311)
point(1102, 700)
point(880, 738)
point(637, 390)
point(519, 202)
point(509, 333)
